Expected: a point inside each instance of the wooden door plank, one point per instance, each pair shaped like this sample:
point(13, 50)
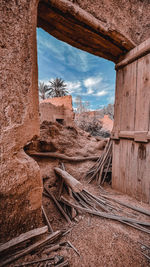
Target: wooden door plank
point(118, 100)
point(131, 160)
point(128, 98)
point(115, 165)
point(142, 120)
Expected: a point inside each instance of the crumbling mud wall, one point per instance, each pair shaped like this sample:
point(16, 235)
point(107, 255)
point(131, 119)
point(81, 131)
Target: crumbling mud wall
point(57, 108)
point(20, 185)
point(52, 113)
point(59, 101)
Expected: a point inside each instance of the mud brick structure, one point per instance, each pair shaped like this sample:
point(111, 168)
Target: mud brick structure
point(20, 186)
point(105, 28)
point(57, 109)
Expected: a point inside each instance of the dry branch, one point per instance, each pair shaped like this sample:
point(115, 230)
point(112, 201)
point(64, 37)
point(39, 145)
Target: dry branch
point(92, 200)
point(53, 248)
point(60, 156)
point(73, 211)
point(108, 216)
point(148, 247)
point(74, 184)
point(47, 220)
point(62, 182)
point(86, 202)
point(33, 262)
point(51, 238)
point(146, 256)
point(23, 237)
point(146, 212)
point(70, 244)
point(58, 205)
point(101, 168)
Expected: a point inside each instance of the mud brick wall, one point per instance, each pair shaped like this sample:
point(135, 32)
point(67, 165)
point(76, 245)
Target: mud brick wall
point(55, 108)
point(20, 185)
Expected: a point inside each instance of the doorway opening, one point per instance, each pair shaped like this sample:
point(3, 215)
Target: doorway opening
point(61, 121)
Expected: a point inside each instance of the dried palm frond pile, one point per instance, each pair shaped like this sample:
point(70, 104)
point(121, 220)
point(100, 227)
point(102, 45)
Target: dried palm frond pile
point(73, 199)
point(101, 170)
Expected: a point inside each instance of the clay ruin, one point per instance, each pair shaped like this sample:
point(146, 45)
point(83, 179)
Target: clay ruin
point(115, 30)
point(57, 109)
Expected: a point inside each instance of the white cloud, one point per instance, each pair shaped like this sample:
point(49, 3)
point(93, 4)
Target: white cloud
point(96, 86)
point(90, 91)
point(74, 87)
point(92, 81)
point(101, 93)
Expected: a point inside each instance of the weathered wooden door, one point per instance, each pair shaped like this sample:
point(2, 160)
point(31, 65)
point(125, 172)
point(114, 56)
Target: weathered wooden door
point(131, 132)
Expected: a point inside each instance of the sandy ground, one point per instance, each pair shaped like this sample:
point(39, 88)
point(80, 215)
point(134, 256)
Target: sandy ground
point(100, 242)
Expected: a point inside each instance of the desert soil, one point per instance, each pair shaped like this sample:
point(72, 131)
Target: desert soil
point(100, 242)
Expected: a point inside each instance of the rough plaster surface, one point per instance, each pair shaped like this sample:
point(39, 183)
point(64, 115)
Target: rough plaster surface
point(131, 18)
point(20, 185)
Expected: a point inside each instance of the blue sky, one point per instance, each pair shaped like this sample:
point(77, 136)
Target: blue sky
point(90, 77)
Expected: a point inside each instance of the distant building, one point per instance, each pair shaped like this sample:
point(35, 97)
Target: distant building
point(57, 109)
point(107, 123)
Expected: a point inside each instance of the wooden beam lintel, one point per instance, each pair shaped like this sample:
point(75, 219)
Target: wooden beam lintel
point(137, 136)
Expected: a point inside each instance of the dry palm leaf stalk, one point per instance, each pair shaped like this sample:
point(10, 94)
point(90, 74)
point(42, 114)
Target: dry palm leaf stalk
point(102, 167)
point(11, 255)
point(83, 201)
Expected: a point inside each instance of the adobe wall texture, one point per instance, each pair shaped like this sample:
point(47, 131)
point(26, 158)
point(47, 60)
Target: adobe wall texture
point(20, 185)
point(131, 18)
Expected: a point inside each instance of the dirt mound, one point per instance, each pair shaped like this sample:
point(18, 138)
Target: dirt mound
point(71, 141)
point(67, 140)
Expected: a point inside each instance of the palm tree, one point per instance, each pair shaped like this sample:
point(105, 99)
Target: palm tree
point(43, 90)
point(57, 88)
